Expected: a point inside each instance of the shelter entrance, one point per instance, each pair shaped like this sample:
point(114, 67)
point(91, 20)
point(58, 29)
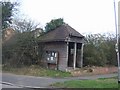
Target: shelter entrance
point(70, 54)
point(74, 54)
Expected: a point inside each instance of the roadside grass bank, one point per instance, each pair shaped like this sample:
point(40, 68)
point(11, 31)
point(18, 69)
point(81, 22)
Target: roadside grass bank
point(99, 83)
point(36, 71)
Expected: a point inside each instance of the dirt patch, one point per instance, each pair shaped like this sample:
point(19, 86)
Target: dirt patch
point(94, 71)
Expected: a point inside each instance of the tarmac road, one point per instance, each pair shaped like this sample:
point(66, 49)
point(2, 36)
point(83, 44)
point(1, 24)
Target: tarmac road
point(8, 86)
point(41, 82)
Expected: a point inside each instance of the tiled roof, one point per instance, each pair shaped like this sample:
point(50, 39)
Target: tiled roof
point(60, 34)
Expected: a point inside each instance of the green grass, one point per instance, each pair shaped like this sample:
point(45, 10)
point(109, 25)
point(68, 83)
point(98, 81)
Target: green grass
point(99, 83)
point(36, 71)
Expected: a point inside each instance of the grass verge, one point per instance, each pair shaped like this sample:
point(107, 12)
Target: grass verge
point(99, 83)
point(36, 71)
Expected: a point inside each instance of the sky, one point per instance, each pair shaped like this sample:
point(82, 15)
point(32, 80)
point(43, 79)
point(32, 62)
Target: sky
point(86, 16)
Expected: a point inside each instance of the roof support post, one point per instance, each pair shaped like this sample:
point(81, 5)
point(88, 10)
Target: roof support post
point(81, 61)
point(67, 52)
point(75, 50)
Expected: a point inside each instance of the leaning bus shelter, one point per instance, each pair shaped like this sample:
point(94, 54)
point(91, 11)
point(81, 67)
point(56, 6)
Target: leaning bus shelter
point(63, 48)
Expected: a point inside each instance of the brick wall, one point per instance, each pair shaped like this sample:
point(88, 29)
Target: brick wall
point(94, 71)
point(61, 48)
point(104, 70)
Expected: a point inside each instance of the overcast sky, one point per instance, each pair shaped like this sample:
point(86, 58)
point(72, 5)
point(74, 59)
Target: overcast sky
point(86, 16)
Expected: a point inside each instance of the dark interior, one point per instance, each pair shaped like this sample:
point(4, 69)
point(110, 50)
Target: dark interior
point(71, 54)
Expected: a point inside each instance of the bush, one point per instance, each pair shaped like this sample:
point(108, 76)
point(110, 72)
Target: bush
point(22, 49)
point(99, 50)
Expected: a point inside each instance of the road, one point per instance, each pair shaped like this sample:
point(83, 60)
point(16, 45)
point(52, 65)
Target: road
point(8, 86)
point(41, 82)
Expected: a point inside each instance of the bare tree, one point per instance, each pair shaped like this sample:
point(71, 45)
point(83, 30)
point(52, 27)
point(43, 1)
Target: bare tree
point(22, 50)
point(24, 25)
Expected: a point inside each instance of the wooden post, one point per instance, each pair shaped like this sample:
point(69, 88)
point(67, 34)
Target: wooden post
point(81, 61)
point(75, 49)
